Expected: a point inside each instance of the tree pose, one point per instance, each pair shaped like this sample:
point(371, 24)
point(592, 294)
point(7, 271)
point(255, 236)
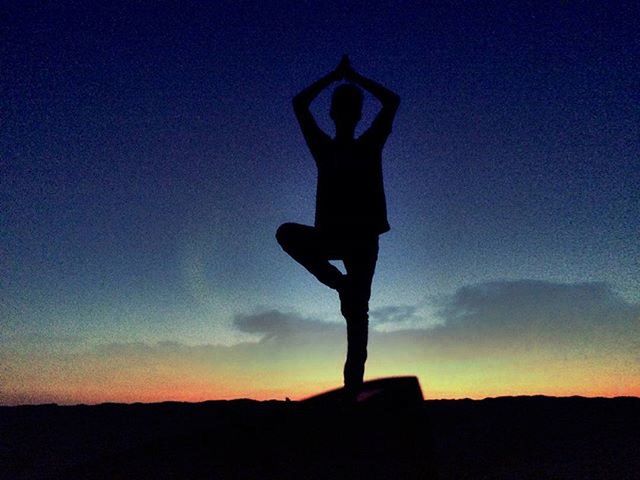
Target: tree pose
point(350, 202)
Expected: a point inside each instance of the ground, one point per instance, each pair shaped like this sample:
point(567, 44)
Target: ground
point(502, 438)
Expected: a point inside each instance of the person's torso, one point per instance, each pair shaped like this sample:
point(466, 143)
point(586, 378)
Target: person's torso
point(350, 190)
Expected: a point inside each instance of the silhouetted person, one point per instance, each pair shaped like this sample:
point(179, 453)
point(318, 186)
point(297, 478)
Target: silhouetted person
point(350, 202)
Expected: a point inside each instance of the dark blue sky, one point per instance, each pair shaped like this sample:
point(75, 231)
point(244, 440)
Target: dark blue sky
point(148, 153)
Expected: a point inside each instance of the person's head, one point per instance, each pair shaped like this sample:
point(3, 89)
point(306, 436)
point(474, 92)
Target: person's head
point(346, 105)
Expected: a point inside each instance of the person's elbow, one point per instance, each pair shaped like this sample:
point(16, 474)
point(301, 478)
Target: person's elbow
point(299, 104)
point(391, 104)
point(394, 100)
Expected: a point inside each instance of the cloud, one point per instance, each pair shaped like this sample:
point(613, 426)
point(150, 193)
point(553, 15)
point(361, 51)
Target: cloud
point(515, 310)
point(394, 314)
point(276, 325)
point(293, 356)
point(491, 319)
point(513, 307)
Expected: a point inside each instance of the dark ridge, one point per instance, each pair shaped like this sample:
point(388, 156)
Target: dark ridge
point(505, 437)
point(251, 401)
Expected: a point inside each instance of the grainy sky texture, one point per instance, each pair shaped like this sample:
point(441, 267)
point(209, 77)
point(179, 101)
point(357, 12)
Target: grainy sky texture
point(148, 152)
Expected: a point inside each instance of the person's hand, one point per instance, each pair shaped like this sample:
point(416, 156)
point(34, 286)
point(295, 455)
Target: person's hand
point(347, 71)
point(343, 68)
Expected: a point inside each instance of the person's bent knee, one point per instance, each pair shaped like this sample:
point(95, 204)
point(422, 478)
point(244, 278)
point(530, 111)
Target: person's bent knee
point(283, 234)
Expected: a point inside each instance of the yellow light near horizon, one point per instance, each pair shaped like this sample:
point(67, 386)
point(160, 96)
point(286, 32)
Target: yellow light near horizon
point(161, 373)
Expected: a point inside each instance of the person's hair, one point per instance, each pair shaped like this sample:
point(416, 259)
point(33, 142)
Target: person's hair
point(347, 99)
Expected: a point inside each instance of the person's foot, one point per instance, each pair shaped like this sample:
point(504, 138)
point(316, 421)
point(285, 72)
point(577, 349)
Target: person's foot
point(350, 394)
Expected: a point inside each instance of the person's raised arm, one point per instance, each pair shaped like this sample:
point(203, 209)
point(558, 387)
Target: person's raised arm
point(381, 126)
point(388, 98)
point(302, 101)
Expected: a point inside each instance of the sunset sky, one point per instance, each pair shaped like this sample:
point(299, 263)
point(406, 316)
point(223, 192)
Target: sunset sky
point(149, 151)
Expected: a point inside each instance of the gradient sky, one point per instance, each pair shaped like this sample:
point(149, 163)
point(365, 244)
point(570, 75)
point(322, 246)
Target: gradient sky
point(148, 152)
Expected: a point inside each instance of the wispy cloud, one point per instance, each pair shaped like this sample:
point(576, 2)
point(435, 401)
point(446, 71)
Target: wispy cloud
point(518, 308)
point(394, 313)
point(273, 324)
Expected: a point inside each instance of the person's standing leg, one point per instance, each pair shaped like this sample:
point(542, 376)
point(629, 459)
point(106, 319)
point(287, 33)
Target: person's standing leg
point(308, 247)
point(360, 263)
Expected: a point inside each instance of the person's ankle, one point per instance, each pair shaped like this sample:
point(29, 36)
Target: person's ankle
point(352, 389)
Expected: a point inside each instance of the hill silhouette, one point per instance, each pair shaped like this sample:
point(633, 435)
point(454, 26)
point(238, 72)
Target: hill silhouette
point(506, 437)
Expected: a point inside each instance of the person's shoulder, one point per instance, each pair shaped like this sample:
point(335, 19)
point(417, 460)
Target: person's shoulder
point(322, 149)
point(370, 142)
